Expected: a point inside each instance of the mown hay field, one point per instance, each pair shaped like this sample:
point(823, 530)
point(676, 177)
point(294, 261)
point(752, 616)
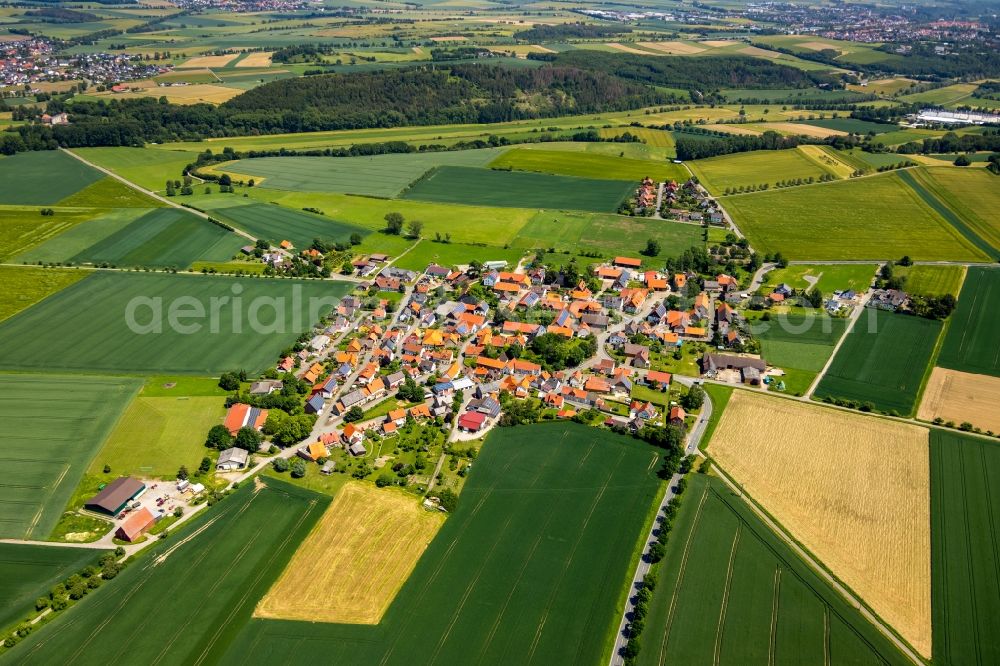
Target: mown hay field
point(28, 572)
point(828, 160)
point(276, 223)
point(375, 175)
point(652, 137)
point(209, 61)
point(110, 193)
point(971, 193)
point(357, 557)
point(184, 601)
point(528, 569)
point(43, 177)
point(485, 187)
point(971, 342)
point(94, 313)
point(882, 361)
point(965, 475)
point(962, 397)
point(859, 497)
point(587, 165)
point(26, 285)
point(53, 426)
point(258, 59)
point(755, 168)
point(731, 592)
point(917, 180)
point(876, 217)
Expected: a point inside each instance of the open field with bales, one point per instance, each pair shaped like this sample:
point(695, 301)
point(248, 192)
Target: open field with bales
point(859, 499)
point(43, 177)
point(275, 224)
point(28, 572)
point(357, 557)
point(104, 341)
point(529, 568)
point(189, 595)
point(375, 175)
point(485, 187)
point(876, 217)
point(971, 342)
point(156, 435)
point(962, 397)
point(587, 165)
point(731, 592)
point(27, 285)
point(965, 472)
point(755, 168)
point(53, 427)
point(882, 361)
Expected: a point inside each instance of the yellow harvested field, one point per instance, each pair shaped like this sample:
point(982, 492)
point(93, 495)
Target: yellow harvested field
point(716, 43)
point(827, 160)
point(763, 53)
point(256, 59)
point(450, 38)
point(962, 396)
point(355, 560)
point(192, 94)
point(805, 130)
point(852, 489)
point(734, 129)
point(627, 49)
point(818, 46)
point(209, 61)
point(672, 48)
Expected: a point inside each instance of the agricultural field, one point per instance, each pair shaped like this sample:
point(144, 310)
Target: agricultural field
point(587, 165)
point(965, 473)
point(84, 230)
point(932, 280)
point(756, 168)
point(26, 285)
point(610, 235)
point(53, 427)
point(962, 397)
point(851, 125)
point(110, 193)
point(732, 592)
point(22, 228)
point(528, 568)
point(104, 341)
point(912, 177)
point(970, 193)
point(185, 599)
point(147, 167)
point(971, 342)
point(357, 557)
point(156, 435)
point(859, 499)
point(941, 97)
point(830, 160)
point(800, 342)
point(29, 571)
point(276, 223)
point(877, 217)
point(828, 278)
point(453, 254)
point(882, 361)
point(375, 175)
point(165, 237)
point(43, 177)
point(463, 185)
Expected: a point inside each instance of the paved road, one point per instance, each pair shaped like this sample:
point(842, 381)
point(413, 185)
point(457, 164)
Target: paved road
point(758, 277)
point(694, 439)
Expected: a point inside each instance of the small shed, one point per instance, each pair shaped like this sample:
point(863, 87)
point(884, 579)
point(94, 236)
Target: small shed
point(232, 459)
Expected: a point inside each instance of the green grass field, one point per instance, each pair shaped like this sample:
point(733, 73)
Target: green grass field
point(755, 168)
point(43, 177)
point(850, 125)
point(155, 436)
point(800, 342)
point(92, 227)
point(973, 194)
point(377, 175)
point(913, 179)
point(53, 427)
point(932, 280)
point(184, 600)
point(588, 165)
point(27, 285)
point(882, 361)
point(94, 314)
point(877, 217)
point(168, 237)
point(485, 187)
point(527, 570)
point(731, 592)
point(611, 235)
point(110, 192)
point(941, 96)
point(145, 167)
point(29, 571)
point(23, 228)
point(965, 549)
point(971, 342)
point(829, 278)
point(276, 223)
point(454, 254)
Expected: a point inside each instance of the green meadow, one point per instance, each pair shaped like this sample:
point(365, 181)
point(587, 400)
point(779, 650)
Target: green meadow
point(105, 340)
point(932, 280)
point(587, 165)
point(43, 177)
point(27, 285)
point(53, 427)
point(801, 342)
point(23, 228)
point(754, 168)
point(276, 223)
point(971, 342)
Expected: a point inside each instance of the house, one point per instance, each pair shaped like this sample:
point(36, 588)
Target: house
point(677, 416)
point(888, 299)
point(750, 368)
point(135, 525)
point(471, 421)
point(642, 410)
point(313, 451)
point(232, 459)
point(328, 467)
point(240, 415)
point(352, 434)
point(488, 406)
point(658, 379)
point(115, 496)
point(627, 262)
point(357, 449)
point(266, 387)
point(315, 404)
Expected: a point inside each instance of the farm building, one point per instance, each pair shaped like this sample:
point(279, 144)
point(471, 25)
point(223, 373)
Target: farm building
point(135, 525)
point(472, 421)
point(750, 368)
point(240, 415)
point(115, 496)
point(232, 459)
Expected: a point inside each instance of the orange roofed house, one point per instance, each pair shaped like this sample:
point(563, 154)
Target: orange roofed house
point(240, 415)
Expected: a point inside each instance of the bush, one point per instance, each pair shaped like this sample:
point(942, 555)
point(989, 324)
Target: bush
point(280, 465)
point(298, 468)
